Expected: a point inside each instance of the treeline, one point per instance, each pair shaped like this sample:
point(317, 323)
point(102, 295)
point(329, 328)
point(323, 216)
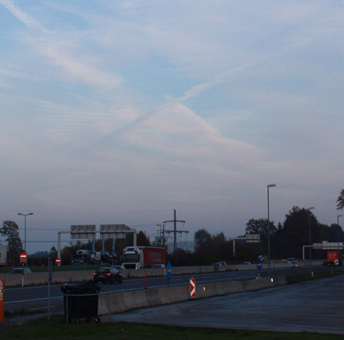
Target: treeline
point(286, 240)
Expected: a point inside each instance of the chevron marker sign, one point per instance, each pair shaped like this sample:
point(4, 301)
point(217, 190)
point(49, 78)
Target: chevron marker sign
point(192, 288)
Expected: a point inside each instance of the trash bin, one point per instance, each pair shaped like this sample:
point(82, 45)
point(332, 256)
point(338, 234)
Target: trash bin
point(81, 301)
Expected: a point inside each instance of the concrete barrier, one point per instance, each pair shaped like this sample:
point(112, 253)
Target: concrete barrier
point(13, 280)
point(117, 303)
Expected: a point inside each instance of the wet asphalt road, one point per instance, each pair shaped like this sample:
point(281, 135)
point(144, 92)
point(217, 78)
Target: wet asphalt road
point(313, 306)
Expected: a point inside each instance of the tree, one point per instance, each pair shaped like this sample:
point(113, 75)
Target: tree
point(203, 248)
point(142, 239)
point(14, 243)
point(295, 232)
point(53, 253)
point(340, 200)
point(260, 227)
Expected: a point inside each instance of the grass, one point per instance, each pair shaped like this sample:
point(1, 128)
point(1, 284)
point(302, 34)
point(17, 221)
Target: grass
point(21, 312)
point(316, 276)
point(57, 329)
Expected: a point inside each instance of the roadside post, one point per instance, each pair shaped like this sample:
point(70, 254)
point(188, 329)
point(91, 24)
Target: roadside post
point(192, 288)
point(22, 261)
point(169, 273)
point(145, 280)
point(50, 276)
point(2, 300)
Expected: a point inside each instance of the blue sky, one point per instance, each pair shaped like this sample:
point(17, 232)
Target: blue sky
point(122, 111)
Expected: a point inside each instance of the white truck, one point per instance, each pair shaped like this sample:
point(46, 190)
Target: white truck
point(143, 257)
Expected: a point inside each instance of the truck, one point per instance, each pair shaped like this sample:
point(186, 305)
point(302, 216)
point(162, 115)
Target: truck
point(79, 259)
point(143, 257)
point(333, 259)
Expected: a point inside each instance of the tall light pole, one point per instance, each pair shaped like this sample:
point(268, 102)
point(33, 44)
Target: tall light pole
point(310, 239)
point(25, 226)
point(268, 187)
point(338, 233)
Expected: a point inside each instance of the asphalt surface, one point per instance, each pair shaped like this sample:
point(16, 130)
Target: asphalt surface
point(311, 306)
point(36, 298)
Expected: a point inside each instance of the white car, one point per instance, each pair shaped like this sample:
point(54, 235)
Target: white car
point(294, 264)
point(160, 265)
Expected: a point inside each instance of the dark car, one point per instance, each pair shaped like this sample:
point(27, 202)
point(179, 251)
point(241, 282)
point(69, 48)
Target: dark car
point(107, 274)
point(20, 271)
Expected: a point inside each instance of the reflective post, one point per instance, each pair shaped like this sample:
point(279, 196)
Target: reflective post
point(310, 239)
point(269, 260)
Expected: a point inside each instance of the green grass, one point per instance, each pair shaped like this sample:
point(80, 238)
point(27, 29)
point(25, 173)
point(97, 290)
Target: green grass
point(316, 276)
point(57, 329)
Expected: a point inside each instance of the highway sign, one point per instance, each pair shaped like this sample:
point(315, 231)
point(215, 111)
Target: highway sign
point(22, 257)
point(169, 270)
point(192, 288)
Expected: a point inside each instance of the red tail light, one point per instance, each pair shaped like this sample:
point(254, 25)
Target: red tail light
point(107, 274)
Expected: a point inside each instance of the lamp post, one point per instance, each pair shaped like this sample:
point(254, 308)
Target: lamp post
point(25, 226)
point(268, 187)
point(338, 233)
point(310, 240)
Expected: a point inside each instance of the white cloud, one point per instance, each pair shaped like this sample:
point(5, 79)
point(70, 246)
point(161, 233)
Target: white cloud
point(149, 106)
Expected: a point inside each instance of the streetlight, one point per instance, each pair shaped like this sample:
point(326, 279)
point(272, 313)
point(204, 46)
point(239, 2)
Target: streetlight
point(310, 242)
point(25, 226)
point(338, 233)
point(268, 187)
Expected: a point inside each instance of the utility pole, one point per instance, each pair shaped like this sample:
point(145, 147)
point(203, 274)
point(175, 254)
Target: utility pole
point(175, 231)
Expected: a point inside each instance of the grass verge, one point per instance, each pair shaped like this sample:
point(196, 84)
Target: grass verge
point(316, 276)
point(57, 329)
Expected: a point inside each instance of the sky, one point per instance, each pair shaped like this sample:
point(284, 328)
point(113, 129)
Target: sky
point(120, 112)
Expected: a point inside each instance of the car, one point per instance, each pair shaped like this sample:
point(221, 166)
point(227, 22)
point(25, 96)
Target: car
point(247, 262)
point(20, 271)
point(294, 264)
point(119, 266)
point(291, 259)
point(107, 274)
point(221, 263)
point(160, 265)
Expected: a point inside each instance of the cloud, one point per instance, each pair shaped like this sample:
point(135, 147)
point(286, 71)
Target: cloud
point(59, 52)
point(19, 14)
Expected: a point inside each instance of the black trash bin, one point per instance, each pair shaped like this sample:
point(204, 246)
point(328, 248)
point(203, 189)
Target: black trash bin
point(81, 301)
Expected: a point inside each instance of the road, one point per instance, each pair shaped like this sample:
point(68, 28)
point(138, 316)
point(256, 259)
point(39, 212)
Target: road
point(36, 298)
point(310, 306)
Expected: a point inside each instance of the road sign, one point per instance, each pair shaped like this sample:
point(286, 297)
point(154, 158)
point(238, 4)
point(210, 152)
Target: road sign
point(260, 264)
point(58, 261)
point(169, 270)
point(22, 257)
point(192, 288)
